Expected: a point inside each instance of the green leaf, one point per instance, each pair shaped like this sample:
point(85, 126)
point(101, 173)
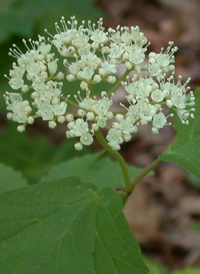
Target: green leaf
point(10, 179)
point(29, 155)
point(34, 156)
point(185, 149)
point(154, 267)
point(192, 180)
point(66, 226)
point(66, 151)
point(94, 168)
point(190, 270)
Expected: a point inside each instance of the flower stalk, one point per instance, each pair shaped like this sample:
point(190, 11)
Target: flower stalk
point(118, 157)
point(144, 172)
point(118, 83)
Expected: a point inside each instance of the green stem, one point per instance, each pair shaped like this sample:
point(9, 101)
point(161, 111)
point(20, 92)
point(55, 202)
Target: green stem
point(144, 172)
point(118, 83)
point(73, 103)
point(118, 157)
point(119, 112)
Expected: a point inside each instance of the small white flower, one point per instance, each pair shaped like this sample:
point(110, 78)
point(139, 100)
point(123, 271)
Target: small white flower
point(44, 48)
point(98, 36)
point(52, 124)
point(114, 138)
point(80, 127)
point(59, 109)
point(16, 83)
point(147, 111)
point(115, 36)
point(179, 100)
point(84, 85)
point(86, 139)
point(138, 37)
point(78, 146)
point(21, 128)
point(161, 63)
point(116, 52)
point(86, 74)
point(90, 116)
point(25, 88)
point(96, 79)
point(183, 115)
point(159, 120)
point(45, 111)
point(110, 79)
point(52, 67)
point(30, 120)
point(18, 107)
point(157, 96)
point(91, 60)
point(102, 106)
point(74, 68)
point(87, 103)
point(109, 67)
point(140, 88)
point(135, 54)
point(101, 121)
point(95, 127)
point(126, 38)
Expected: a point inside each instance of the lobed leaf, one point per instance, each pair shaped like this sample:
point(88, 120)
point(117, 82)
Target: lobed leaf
point(185, 149)
point(66, 226)
point(10, 179)
point(94, 168)
point(30, 156)
point(33, 156)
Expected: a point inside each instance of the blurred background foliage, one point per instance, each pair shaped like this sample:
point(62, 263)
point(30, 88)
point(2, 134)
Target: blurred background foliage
point(24, 19)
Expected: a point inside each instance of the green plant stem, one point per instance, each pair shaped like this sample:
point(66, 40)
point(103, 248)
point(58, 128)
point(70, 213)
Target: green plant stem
point(144, 172)
point(70, 102)
point(118, 157)
point(118, 83)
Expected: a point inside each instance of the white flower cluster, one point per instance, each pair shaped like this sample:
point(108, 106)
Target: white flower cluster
point(91, 55)
point(35, 72)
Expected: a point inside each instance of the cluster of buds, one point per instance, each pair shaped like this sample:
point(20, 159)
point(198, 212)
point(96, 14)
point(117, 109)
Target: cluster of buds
point(90, 55)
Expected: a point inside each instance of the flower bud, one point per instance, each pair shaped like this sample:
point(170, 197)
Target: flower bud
point(52, 124)
point(30, 120)
point(61, 119)
point(21, 128)
point(78, 146)
point(111, 79)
